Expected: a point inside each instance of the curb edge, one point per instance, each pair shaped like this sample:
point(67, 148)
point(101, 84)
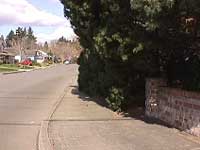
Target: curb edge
point(44, 142)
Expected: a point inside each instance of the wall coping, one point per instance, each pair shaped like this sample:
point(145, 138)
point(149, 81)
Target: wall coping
point(177, 92)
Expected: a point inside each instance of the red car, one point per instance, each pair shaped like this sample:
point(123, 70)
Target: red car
point(26, 62)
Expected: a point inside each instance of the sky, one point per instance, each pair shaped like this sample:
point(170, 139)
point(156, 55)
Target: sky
point(46, 18)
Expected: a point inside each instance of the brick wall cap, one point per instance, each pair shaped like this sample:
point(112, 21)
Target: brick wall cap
point(155, 79)
point(181, 93)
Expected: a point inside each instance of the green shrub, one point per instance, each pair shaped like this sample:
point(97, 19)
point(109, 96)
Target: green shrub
point(26, 67)
point(115, 99)
point(127, 41)
point(34, 63)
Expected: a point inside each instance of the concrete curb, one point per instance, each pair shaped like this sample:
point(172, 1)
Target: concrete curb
point(190, 137)
point(13, 72)
point(44, 142)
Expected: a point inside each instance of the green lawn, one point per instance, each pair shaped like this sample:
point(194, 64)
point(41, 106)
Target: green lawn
point(7, 69)
point(13, 67)
point(26, 67)
point(10, 66)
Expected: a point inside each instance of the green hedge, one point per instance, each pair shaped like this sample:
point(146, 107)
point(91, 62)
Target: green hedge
point(126, 41)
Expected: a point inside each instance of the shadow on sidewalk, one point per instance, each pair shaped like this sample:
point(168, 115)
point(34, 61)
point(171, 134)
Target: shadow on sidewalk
point(85, 97)
point(136, 113)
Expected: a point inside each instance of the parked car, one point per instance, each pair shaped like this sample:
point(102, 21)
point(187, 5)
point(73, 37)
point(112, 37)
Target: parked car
point(57, 60)
point(27, 62)
point(66, 62)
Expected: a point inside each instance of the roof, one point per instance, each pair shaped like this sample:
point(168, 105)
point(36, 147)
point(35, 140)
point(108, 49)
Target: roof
point(11, 51)
point(29, 52)
point(6, 54)
point(42, 52)
point(15, 51)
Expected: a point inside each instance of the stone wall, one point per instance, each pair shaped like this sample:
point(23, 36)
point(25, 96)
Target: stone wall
point(178, 108)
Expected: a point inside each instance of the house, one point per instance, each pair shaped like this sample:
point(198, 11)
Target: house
point(18, 58)
point(15, 53)
point(30, 54)
point(26, 54)
point(21, 55)
point(7, 58)
point(40, 56)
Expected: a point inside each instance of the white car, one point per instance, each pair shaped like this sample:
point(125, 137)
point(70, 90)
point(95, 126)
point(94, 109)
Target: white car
point(66, 62)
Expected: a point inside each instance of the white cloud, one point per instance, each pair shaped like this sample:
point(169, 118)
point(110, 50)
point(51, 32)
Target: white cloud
point(21, 12)
point(65, 31)
point(55, 1)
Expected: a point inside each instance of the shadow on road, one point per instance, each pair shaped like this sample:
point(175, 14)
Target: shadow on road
point(136, 113)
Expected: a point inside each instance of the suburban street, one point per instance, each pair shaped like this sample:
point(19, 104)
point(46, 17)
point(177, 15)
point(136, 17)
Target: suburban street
point(99, 75)
point(26, 99)
point(78, 123)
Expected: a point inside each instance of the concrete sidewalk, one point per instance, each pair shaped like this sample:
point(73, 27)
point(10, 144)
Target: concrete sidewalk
point(79, 123)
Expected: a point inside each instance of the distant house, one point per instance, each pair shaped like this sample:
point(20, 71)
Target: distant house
point(40, 56)
point(18, 58)
point(15, 53)
point(7, 58)
point(30, 54)
point(21, 57)
point(12, 55)
point(32, 58)
point(25, 54)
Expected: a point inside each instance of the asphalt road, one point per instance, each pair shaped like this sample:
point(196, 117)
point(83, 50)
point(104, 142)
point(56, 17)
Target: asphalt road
point(26, 99)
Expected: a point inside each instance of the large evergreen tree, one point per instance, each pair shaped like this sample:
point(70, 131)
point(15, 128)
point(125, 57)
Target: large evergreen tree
point(126, 41)
point(46, 46)
point(10, 38)
point(31, 39)
point(22, 37)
